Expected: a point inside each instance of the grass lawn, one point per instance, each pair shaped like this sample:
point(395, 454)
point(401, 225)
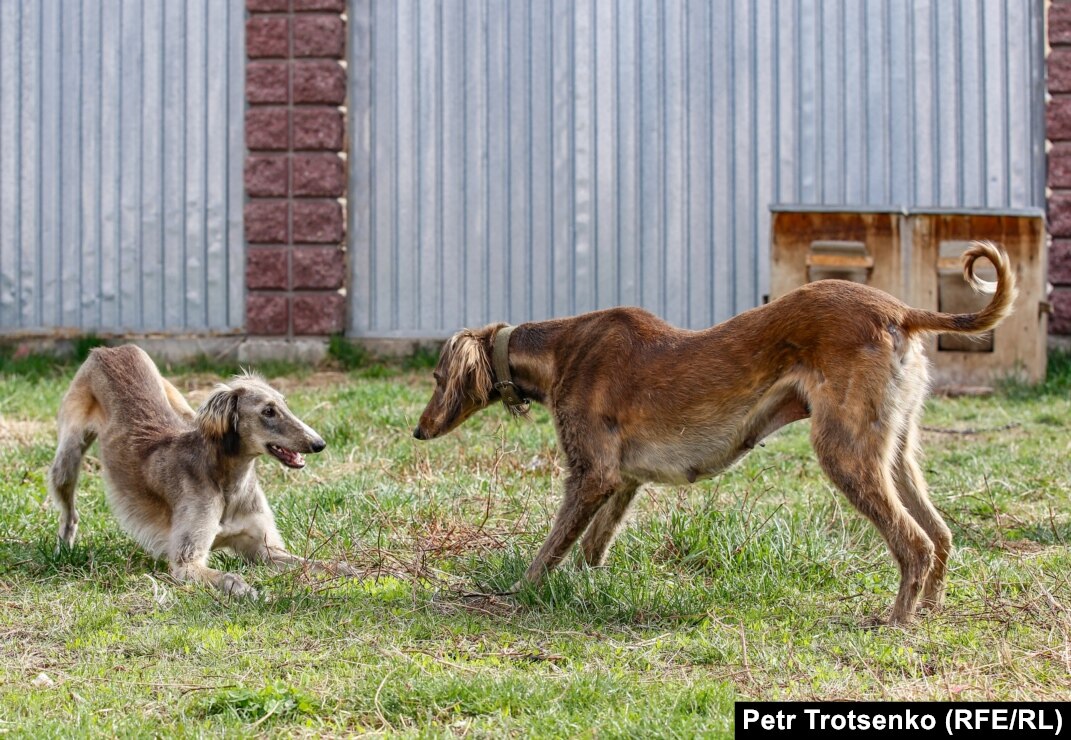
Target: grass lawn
point(754, 586)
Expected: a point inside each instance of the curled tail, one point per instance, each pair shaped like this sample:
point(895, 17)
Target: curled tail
point(999, 307)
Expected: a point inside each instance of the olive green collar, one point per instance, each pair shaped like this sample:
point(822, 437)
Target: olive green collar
point(511, 395)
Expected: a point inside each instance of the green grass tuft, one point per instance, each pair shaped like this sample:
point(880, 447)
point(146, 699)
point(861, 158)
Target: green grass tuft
point(1057, 380)
point(257, 705)
point(421, 358)
point(83, 345)
point(346, 354)
point(30, 366)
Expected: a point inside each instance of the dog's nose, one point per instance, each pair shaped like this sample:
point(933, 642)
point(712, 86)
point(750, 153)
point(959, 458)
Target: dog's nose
point(318, 445)
point(418, 433)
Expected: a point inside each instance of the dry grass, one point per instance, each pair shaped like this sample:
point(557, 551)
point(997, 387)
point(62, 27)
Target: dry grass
point(758, 585)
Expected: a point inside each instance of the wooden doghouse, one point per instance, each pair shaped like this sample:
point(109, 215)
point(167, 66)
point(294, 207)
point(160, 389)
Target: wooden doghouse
point(915, 255)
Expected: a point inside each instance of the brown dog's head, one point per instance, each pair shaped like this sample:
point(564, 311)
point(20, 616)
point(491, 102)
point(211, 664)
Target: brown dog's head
point(250, 418)
point(463, 382)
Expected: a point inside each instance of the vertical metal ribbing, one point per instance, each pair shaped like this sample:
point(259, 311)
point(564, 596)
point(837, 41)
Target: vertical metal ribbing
point(86, 236)
point(436, 278)
point(593, 160)
point(8, 170)
point(8, 173)
point(38, 284)
point(712, 184)
point(16, 242)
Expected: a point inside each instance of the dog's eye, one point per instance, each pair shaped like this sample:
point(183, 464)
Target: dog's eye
point(268, 411)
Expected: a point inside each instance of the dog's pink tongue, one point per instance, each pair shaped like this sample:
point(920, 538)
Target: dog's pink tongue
point(290, 458)
point(294, 459)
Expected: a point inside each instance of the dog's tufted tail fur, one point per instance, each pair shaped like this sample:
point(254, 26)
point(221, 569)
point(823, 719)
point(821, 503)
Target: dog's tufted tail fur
point(1003, 290)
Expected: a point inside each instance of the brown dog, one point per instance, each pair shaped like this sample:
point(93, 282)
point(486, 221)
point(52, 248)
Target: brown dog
point(636, 400)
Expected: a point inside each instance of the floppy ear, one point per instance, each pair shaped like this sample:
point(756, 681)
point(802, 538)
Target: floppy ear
point(470, 368)
point(218, 418)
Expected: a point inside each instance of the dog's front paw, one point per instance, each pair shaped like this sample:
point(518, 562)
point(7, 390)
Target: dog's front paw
point(67, 532)
point(893, 621)
point(233, 585)
point(873, 622)
point(63, 545)
point(932, 602)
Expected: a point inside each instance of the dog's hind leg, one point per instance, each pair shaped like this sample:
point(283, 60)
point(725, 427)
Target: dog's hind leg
point(76, 434)
point(907, 475)
point(855, 457)
point(177, 401)
point(911, 485)
point(606, 524)
point(63, 477)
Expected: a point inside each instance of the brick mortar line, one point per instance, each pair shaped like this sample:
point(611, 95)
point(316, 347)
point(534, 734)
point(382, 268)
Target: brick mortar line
point(290, 168)
point(1058, 99)
point(291, 156)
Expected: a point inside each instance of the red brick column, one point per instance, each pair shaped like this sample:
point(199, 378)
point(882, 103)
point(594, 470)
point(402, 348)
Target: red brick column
point(1058, 130)
point(295, 173)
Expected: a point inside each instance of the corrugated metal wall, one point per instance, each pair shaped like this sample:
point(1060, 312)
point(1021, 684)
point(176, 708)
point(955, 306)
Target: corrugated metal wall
point(121, 151)
point(520, 160)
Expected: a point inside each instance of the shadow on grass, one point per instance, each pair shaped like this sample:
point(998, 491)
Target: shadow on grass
point(44, 559)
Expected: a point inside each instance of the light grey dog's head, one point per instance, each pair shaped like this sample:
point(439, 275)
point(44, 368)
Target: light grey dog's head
point(248, 417)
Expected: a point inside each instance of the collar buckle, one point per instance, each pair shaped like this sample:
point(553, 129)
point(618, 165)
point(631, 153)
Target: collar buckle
point(517, 404)
point(512, 398)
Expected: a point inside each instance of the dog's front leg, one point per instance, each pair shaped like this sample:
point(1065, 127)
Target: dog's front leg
point(584, 496)
point(607, 523)
point(279, 558)
point(192, 533)
point(260, 542)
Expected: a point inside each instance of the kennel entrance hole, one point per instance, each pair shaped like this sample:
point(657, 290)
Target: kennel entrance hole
point(839, 260)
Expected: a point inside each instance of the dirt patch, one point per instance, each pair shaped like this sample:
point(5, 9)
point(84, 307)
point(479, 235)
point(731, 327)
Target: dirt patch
point(451, 539)
point(22, 431)
point(317, 380)
point(1023, 546)
point(198, 386)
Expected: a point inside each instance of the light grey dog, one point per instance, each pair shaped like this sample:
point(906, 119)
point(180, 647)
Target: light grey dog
point(181, 483)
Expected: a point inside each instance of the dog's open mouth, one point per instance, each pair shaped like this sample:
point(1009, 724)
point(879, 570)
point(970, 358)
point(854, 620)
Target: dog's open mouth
point(289, 458)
